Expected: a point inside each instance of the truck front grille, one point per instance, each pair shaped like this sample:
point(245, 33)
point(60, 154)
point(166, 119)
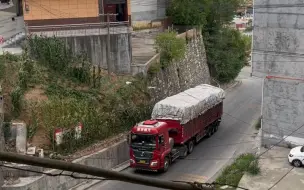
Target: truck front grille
point(143, 154)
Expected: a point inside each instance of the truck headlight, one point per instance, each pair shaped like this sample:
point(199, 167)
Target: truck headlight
point(132, 161)
point(153, 163)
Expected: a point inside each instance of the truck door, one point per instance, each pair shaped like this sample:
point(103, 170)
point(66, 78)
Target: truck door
point(161, 143)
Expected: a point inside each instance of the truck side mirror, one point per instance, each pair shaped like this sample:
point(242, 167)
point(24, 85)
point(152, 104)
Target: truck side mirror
point(161, 140)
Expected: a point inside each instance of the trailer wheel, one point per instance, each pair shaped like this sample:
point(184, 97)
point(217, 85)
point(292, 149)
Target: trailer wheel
point(215, 128)
point(190, 147)
point(209, 132)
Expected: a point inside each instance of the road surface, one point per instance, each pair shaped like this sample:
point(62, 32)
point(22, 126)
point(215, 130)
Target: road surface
point(236, 134)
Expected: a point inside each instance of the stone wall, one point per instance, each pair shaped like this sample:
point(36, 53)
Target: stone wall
point(283, 110)
point(189, 72)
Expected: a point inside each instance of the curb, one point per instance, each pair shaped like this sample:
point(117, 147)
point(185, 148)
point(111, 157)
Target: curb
point(236, 83)
point(88, 184)
point(236, 152)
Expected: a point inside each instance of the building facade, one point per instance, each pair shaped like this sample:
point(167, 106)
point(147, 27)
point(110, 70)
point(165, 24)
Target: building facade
point(59, 12)
point(277, 56)
point(83, 26)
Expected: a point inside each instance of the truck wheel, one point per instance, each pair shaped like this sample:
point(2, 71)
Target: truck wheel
point(209, 132)
point(190, 147)
point(216, 127)
point(166, 165)
point(185, 152)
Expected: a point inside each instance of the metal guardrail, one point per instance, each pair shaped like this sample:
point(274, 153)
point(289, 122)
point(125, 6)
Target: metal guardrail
point(85, 25)
point(77, 25)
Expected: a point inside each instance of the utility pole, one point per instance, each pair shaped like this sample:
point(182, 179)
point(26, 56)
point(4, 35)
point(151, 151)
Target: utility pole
point(108, 40)
point(107, 174)
point(1, 134)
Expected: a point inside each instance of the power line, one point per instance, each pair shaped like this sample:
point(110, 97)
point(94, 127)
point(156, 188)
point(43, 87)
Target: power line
point(78, 168)
point(103, 179)
point(53, 175)
point(280, 141)
point(281, 178)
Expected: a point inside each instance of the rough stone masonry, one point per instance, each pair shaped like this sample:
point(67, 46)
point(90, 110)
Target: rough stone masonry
point(278, 51)
point(184, 74)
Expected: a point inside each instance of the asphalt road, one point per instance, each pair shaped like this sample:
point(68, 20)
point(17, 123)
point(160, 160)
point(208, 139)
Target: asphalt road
point(236, 135)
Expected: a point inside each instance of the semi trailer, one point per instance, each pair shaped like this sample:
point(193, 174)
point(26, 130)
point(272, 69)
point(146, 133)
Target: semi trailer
point(177, 123)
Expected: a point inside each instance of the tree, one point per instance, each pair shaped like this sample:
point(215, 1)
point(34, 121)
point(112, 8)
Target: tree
point(226, 54)
point(226, 49)
point(189, 12)
point(221, 12)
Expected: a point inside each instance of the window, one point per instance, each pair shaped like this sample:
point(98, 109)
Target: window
point(143, 139)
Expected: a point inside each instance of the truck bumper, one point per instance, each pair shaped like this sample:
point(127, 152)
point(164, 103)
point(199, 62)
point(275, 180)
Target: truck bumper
point(148, 167)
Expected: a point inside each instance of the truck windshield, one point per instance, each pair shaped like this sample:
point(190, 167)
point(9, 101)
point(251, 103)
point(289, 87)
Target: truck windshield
point(143, 140)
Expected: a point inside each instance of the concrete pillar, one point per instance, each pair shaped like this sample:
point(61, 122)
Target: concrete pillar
point(21, 134)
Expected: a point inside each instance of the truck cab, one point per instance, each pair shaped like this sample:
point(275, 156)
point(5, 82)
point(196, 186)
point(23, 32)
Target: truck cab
point(152, 145)
point(148, 142)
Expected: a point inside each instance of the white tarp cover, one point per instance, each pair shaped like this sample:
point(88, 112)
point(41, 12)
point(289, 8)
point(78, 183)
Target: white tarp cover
point(189, 104)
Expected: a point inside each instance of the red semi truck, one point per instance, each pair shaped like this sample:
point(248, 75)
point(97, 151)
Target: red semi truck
point(177, 124)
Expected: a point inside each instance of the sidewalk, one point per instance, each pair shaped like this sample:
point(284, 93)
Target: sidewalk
point(9, 28)
point(6, 5)
point(11, 31)
point(274, 165)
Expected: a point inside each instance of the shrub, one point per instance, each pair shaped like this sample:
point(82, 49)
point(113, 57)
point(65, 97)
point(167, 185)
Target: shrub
point(57, 56)
point(170, 47)
point(258, 123)
point(17, 98)
point(233, 173)
point(51, 51)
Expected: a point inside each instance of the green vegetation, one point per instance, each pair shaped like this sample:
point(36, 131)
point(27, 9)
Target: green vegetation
point(226, 54)
point(189, 12)
point(250, 28)
point(258, 123)
point(232, 174)
point(58, 89)
point(170, 47)
point(227, 49)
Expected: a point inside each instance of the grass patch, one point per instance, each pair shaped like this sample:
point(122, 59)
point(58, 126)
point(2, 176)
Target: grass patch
point(258, 124)
point(233, 173)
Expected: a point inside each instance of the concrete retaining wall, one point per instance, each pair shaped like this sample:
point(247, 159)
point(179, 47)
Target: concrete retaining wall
point(148, 9)
point(283, 110)
point(96, 49)
point(93, 41)
point(278, 42)
point(106, 159)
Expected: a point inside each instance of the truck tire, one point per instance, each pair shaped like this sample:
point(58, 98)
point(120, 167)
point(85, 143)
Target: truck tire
point(166, 165)
point(190, 147)
point(216, 127)
point(185, 153)
point(209, 131)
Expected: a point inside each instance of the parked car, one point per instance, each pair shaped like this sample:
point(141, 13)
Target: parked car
point(296, 156)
